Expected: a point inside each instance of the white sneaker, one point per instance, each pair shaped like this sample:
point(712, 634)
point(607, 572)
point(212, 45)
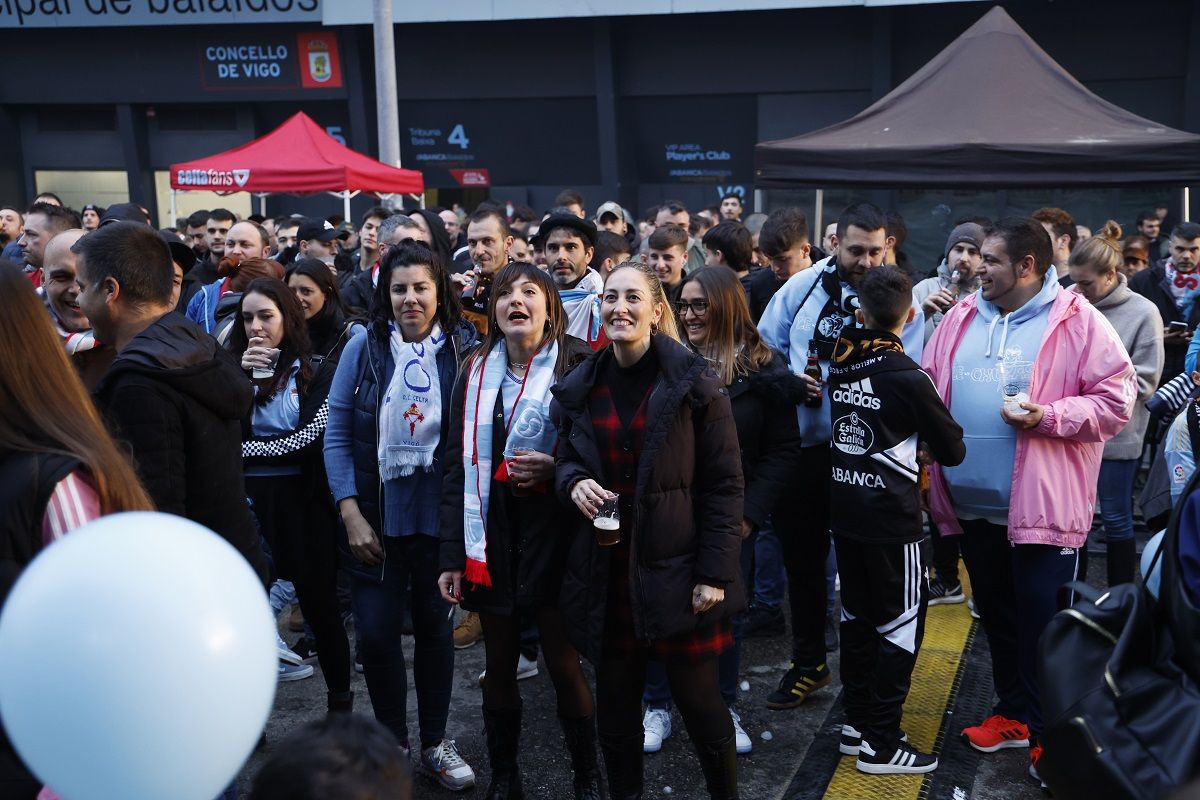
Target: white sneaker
point(292, 672)
point(657, 728)
point(971, 607)
point(286, 653)
point(443, 762)
point(740, 737)
point(526, 668)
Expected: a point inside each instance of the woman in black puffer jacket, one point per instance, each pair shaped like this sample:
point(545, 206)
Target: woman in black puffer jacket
point(763, 392)
point(646, 418)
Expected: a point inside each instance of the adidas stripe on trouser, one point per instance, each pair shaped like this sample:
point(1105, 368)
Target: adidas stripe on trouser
point(884, 591)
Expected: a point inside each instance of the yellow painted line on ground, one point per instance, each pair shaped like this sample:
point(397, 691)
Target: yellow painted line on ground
point(946, 631)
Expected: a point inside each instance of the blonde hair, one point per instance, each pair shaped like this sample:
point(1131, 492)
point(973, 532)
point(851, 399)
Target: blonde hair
point(666, 325)
point(1102, 252)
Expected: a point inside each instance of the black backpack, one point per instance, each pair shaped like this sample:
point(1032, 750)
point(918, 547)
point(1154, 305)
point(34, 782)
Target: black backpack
point(1120, 701)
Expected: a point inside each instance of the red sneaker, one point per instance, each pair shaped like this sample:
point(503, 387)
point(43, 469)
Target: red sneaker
point(1035, 755)
point(997, 733)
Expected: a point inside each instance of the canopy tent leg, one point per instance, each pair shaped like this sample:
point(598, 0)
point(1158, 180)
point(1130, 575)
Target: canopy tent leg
point(174, 213)
point(1187, 204)
point(758, 201)
point(818, 229)
point(262, 203)
point(346, 206)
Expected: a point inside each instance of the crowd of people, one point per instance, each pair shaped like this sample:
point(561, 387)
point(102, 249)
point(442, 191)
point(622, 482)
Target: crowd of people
point(589, 433)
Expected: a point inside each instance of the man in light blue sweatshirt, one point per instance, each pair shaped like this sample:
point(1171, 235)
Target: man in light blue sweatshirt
point(808, 313)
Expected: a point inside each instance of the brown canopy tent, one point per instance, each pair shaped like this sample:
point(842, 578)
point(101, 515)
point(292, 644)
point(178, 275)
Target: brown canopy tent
point(992, 109)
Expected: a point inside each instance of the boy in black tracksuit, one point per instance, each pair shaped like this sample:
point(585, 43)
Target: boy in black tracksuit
point(882, 405)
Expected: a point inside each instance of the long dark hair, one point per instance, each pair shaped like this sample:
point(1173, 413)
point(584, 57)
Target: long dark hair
point(294, 345)
point(44, 407)
point(326, 326)
point(437, 229)
point(734, 345)
point(413, 254)
point(556, 315)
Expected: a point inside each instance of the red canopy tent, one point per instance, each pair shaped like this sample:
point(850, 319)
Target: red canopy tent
point(298, 157)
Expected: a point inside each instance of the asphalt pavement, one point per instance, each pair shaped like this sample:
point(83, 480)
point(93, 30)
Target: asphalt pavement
point(781, 766)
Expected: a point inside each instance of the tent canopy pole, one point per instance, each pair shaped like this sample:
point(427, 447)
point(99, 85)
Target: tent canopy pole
point(1187, 204)
point(174, 213)
point(818, 231)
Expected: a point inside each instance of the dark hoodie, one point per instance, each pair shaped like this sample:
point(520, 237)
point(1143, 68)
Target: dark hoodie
point(177, 401)
point(882, 405)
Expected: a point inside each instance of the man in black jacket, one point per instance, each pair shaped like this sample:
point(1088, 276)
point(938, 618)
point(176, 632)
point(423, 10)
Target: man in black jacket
point(172, 395)
point(1171, 285)
point(882, 405)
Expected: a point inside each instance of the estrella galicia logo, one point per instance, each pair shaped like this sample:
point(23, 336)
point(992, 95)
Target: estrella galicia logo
point(852, 436)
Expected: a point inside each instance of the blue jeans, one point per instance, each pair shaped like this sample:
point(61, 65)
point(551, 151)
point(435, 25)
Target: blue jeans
point(1115, 492)
point(657, 693)
point(770, 579)
point(379, 615)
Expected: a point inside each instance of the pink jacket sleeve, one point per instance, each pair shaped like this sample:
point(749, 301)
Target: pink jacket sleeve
point(1107, 385)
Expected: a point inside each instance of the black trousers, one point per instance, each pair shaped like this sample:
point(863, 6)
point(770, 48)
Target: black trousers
point(1016, 594)
point(305, 552)
point(802, 525)
point(884, 591)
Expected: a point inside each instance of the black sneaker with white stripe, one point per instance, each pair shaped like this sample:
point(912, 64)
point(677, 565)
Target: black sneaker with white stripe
point(904, 760)
point(944, 594)
point(851, 739)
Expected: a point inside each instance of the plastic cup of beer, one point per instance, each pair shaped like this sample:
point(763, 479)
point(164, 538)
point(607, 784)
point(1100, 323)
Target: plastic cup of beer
point(1015, 377)
point(608, 522)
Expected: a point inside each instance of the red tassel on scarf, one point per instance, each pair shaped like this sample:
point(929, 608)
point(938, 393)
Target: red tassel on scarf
point(477, 573)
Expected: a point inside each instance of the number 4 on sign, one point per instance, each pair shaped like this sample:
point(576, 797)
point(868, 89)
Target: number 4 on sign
point(459, 137)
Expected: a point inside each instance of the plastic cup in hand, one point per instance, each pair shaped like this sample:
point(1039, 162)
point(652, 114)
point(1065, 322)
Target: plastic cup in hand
point(1015, 377)
point(608, 522)
point(510, 463)
point(261, 373)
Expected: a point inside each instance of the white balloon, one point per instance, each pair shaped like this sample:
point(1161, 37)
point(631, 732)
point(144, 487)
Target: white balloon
point(137, 661)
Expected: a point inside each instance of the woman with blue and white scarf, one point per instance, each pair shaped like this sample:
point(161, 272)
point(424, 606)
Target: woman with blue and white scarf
point(503, 547)
point(389, 412)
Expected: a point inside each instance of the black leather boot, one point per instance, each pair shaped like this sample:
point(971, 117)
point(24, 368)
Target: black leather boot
point(719, 761)
point(581, 742)
point(623, 765)
point(340, 702)
point(503, 730)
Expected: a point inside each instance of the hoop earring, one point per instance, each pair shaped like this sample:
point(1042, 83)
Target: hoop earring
point(653, 328)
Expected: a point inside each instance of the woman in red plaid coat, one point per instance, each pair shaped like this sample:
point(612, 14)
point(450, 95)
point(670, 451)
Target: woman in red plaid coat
point(646, 419)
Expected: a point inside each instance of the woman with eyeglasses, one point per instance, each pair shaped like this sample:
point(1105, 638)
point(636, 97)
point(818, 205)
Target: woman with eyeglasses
point(645, 426)
point(502, 545)
point(763, 392)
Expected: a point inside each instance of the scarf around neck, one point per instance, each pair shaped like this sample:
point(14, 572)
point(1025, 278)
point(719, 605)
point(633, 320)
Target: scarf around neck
point(528, 427)
point(410, 418)
point(582, 305)
point(837, 313)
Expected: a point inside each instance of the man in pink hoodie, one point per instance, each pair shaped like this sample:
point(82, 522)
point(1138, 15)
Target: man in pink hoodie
point(1024, 496)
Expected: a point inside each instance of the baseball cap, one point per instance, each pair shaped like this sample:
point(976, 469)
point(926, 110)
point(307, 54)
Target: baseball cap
point(319, 230)
point(612, 208)
point(181, 253)
point(124, 212)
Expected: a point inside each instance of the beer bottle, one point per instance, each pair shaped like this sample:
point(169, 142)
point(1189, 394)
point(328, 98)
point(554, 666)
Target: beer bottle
point(813, 370)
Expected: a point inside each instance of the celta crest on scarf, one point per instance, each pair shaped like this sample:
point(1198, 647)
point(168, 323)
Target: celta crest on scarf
point(410, 418)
